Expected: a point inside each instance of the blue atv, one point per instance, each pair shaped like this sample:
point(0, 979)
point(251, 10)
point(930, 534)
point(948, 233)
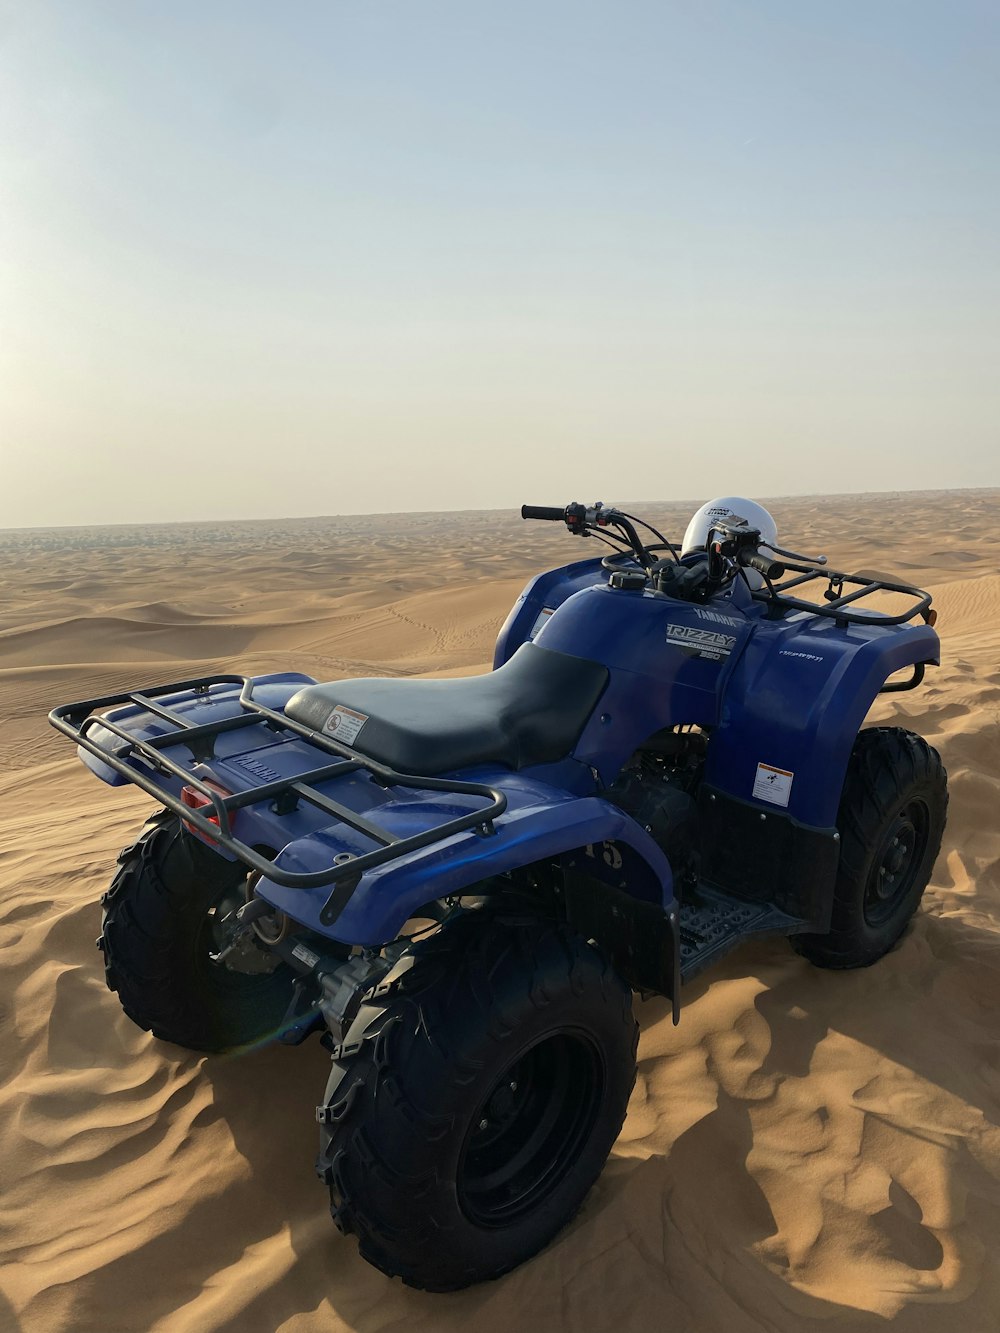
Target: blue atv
point(460, 883)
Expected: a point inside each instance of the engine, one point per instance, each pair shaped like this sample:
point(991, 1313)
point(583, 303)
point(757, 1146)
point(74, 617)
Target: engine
point(658, 787)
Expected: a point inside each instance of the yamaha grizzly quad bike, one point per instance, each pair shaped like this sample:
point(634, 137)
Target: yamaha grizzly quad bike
point(460, 883)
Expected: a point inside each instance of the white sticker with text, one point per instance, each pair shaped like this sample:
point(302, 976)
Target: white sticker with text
point(540, 620)
point(344, 724)
point(773, 784)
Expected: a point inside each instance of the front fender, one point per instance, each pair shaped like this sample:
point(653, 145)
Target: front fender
point(541, 823)
point(539, 599)
point(794, 705)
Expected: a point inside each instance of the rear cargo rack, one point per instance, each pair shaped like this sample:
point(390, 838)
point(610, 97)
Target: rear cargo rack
point(79, 720)
point(840, 605)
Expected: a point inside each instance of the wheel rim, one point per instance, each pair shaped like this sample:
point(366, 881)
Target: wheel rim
point(530, 1129)
point(896, 863)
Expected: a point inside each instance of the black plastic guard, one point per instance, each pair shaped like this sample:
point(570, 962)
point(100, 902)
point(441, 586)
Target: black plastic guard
point(641, 938)
point(766, 856)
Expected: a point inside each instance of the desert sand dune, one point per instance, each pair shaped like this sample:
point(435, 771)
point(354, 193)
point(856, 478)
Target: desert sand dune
point(808, 1149)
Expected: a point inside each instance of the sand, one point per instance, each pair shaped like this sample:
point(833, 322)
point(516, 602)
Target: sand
point(806, 1149)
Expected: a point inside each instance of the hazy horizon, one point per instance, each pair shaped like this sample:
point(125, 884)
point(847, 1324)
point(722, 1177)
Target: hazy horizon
point(394, 258)
point(653, 503)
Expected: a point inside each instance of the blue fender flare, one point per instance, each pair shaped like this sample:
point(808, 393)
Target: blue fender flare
point(541, 824)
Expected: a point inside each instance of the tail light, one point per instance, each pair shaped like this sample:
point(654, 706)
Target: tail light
point(197, 800)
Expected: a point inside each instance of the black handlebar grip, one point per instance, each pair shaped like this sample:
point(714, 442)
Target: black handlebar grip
point(543, 511)
point(771, 569)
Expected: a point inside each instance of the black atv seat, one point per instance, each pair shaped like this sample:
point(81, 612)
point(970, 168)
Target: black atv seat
point(529, 711)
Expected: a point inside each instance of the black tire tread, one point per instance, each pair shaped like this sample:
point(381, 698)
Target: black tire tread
point(162, 888)
point(377, 1108)
point(886, 763)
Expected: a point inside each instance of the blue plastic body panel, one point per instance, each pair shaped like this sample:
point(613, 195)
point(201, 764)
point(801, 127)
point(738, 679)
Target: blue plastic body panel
point(656, 681)
point(540, 823)
point(796, 699)
point(221, 701)
point(540, 598)
point(790, 693)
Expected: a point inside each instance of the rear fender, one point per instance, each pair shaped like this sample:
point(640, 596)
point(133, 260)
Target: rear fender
point(197, 707)
point(541, 824)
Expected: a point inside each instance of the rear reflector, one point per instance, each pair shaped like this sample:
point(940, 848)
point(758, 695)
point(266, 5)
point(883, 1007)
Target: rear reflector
point(196, 800)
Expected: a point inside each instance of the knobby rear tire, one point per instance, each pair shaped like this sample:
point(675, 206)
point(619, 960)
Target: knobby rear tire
point(156, 939)
point(483, 1103)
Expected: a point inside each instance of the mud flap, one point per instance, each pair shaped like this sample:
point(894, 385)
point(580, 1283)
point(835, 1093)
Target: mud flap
point(641, 938)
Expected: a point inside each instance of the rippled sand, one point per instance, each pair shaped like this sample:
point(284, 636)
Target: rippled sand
point(807, 1149)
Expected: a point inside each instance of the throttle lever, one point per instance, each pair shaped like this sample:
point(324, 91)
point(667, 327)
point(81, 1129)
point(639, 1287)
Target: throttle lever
point(771, 569)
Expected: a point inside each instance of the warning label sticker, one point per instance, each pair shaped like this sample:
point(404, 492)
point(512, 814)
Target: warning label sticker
point(344, 724)
point(540, 620)
point(305, 955)
point(773, 784)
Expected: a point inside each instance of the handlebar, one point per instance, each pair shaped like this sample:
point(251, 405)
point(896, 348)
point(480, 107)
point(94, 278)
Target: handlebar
point(736, 543)
point(547, 512)
point(771, 569)
point(731, 546)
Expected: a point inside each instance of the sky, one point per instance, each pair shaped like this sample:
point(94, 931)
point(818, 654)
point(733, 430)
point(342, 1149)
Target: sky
point(265, 260)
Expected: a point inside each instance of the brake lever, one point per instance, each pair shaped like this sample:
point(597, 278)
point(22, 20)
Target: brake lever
point(794, 555)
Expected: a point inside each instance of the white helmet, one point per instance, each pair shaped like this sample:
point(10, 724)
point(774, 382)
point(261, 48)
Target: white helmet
point(733, 509)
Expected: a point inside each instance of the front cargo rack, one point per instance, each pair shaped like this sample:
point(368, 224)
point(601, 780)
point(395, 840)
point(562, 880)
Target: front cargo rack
point(840, 605)
point(78, 720)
